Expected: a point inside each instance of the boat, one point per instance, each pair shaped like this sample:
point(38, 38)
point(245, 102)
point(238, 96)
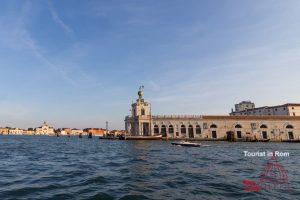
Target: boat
point(187, 144)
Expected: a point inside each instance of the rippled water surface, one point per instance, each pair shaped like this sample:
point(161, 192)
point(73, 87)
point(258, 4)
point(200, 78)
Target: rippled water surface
point(34, 167)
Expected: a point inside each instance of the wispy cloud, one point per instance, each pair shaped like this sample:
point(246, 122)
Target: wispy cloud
point(16, 36)
point(57, 19)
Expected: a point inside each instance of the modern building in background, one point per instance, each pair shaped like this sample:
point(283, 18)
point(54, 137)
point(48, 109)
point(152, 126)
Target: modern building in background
point(141, 122)
point(244, 105)
point(248, 108)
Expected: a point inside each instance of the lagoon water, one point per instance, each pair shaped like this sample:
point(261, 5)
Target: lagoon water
point(37, 167)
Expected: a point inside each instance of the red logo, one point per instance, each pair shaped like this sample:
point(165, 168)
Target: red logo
point(273, 176)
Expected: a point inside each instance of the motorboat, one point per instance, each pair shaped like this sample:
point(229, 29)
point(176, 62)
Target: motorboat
point(187, 144)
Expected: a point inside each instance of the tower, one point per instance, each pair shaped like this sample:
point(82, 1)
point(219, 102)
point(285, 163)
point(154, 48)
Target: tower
point(139, 123)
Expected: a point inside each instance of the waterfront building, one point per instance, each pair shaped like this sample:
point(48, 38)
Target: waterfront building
point(45, 129)
point(95, 131)
point(248, 108)
point(16, 131)
point(76, 132)
point(29, 132)
point(65, 131)
point(4, 131)
point(141, 122)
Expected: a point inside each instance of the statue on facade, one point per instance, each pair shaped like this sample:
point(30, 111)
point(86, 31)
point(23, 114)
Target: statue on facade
point(141, 92)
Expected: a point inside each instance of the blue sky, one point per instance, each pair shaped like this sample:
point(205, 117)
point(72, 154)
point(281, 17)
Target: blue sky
point(80, 63)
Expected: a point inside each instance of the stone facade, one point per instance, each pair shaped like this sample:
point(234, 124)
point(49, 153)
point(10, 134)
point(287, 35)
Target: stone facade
point(289, 109)
point(45, 129)
point(141, 122)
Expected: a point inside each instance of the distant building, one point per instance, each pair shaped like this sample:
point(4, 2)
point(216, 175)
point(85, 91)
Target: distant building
point(95, 131)
point(65, 131)
point(76, 132)
point(141, 122)
point(45, 129)
point(4, 131)
point(244, 105)
point(16, 131)
point(29, 132)
point(289, 109)
point(117, 132)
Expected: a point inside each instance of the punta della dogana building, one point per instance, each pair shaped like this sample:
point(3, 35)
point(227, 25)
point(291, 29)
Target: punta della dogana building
point(141, 122)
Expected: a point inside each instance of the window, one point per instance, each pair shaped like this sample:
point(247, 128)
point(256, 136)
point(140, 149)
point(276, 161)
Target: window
point(238, 126)
point(143, 111)
point(289, 127)
point(263, 126)
point(213, 126)
point(294, 114)
point(293, 108)
point(198, 129)
point(239, 134)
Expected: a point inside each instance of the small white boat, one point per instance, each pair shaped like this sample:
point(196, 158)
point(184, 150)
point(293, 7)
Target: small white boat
point(187, 144)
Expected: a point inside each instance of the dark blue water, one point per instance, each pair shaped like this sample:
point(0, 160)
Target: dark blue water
point(33, 167)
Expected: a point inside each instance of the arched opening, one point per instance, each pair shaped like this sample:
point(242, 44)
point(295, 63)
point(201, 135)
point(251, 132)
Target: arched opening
point(163, 130)
point(183, 130)
point(171, 129)
point(230, 136)
point(289, 127)
point(198, 129)
point(143, 111)
point(214, 134)
point(156, 130)
point(191, 131)
point(238, 126)
point(290, 131)
point(238, 132)
point(291, 135)
point(264, 131)
point(213, 126)
point(263, 126)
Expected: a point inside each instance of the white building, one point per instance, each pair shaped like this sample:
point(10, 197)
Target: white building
point(45, 129)
point(76, 132)
point(15, 131)
point(289, 109)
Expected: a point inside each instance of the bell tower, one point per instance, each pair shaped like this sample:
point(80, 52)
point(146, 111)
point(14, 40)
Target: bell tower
point(140, 123)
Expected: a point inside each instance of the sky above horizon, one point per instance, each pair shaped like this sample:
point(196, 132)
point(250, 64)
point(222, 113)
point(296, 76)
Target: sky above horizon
point(79, 64)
